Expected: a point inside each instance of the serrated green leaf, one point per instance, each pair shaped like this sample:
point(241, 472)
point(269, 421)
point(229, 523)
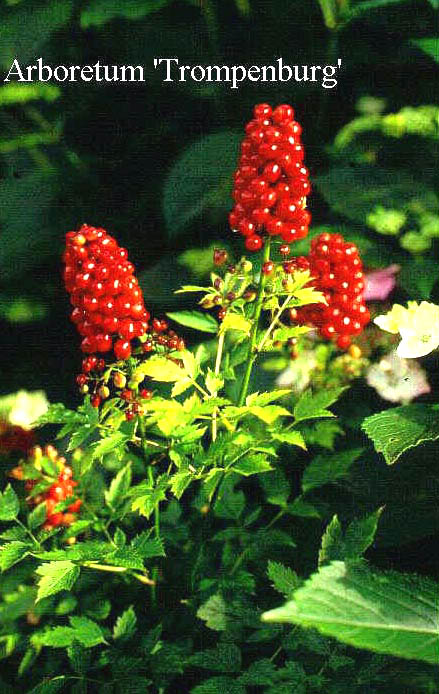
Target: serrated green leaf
point(261, 673)
point(328, 467)
point(387, 612)
point(293, 438)
point(219, 685)
point(332, 545)
point(269, 413)
point(108, 444)
point(37, 516)
point(87, 632)
point(276, 486)
point(146, 546)
point(11, 553)
point(214, 383)
point(312, 405)
point(284, 579)
point(180, 481)
point(56, 576)
point(50, 686)
point(214, 613)
point(196, 320)
point(119, 486)
point(396, 430)
point(163, 369)
point(360, 534)
point(226, 657)
point(125, 625)
point(148, 502)
point(235, 321)
point(9, 504)
point(251, 465)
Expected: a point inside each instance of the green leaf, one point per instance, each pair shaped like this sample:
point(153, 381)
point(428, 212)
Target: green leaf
point(87, 632)
point(99, 12)
point(195, 319)
point(219, 685)
point(125, 625)
point(214, 613)
point(82, 629)
point(12, 553)
point(37, 516)
point(269, 413)
point(328, 467)
point(354, 192)
point(119, 487)
point(214, 383)
point(53, 686)
point(226, 657)
point(9, 504)
point(163, 369)
point(332, 545)
point(429, 45)
point(385, 612)
point(180, 482)
point(293, 438)
point(284, 579)
point(396, 430)
point(312, 405)
point(360, 534)
point(235, 321)
point(108, 444)
point(260, 674)
point(210, 163)
point(251, 465)
point(56, 576)
point(146, 546)
point(148, 502)
point(277, 488)
point(13, 93)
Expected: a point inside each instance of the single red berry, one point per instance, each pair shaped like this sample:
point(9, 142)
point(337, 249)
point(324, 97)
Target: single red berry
point(284, 250)
point(95, 401)
point(57, 492)
point(122, 349)
point(253, 243)
point(129, 415)
point(126, 395)
point(146, 394)
point(81, 379)
point(219, 256)
point(268, 267)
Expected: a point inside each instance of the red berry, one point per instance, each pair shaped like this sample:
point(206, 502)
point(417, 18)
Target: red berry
point(122, 349)
point(146, 394)
point(126, 395)
point(284, 250)
point(95, 401)
point(253, 243)
point(268, 267)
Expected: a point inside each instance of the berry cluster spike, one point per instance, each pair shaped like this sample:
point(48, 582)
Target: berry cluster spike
point(59, 489)
point(271, 183)
point(108, 303)
point(337, 271)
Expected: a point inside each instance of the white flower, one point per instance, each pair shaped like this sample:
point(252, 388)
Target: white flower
point(396, 379)
point(23, 408)
point(418, 325)
point(297, 375)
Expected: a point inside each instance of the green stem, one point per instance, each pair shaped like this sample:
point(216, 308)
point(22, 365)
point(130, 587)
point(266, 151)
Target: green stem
point(274, 322)
point(219, 355)
point(329, 11)
point(156, 510)
point(252, 353)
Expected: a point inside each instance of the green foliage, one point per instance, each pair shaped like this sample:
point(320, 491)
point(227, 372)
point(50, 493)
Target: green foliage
point(211, 161)
point(364, 608)
point(328, 467)
point(9, 505)
point(56, 576)
point(397, 430)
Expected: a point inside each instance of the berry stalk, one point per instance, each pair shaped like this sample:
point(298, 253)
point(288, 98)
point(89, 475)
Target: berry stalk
point(252, 352)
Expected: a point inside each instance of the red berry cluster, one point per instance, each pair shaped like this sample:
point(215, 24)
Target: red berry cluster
point(337, 271)
point(62, 488)
point(108, 302)
point(271, 182)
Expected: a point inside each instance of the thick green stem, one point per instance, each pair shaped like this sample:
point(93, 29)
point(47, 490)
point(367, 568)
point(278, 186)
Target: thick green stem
point(219, 355)
point(252, 353)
